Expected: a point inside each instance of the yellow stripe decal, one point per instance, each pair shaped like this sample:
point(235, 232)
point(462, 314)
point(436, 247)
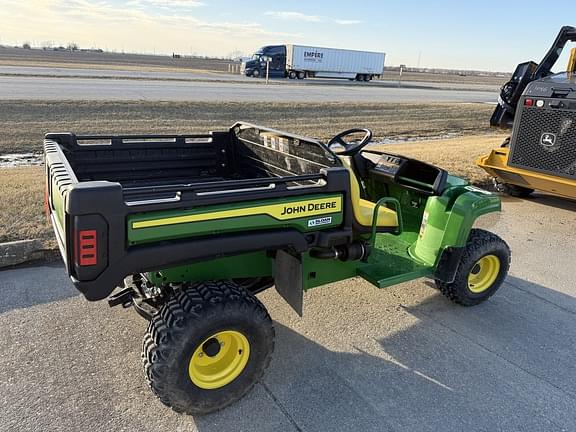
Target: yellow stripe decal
point(293, 210)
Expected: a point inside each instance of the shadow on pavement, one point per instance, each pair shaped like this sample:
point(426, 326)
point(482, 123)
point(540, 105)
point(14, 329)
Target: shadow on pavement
point(505, 365)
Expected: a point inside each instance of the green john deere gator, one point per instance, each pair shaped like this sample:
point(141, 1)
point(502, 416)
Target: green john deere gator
point(188, 228)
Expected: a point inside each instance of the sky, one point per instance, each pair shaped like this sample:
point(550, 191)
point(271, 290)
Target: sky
point(443, 34)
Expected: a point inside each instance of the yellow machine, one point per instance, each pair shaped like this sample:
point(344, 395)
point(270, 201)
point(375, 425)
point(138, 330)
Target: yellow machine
point(540, 107)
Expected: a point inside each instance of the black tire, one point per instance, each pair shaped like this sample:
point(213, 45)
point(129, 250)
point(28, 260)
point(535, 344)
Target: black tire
point(301, 75)
point(256, 73)
point(516, 191)
point(184, 324)
point(292, 75)
point(367, 78)
point(480, 244)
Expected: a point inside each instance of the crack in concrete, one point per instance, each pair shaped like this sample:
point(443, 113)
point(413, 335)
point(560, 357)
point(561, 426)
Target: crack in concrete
point(281, 407)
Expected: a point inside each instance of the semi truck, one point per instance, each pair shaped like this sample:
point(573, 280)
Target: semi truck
point(299, 62)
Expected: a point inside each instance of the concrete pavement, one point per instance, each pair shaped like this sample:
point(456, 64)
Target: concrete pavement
point(400, 359)
point(390, 80)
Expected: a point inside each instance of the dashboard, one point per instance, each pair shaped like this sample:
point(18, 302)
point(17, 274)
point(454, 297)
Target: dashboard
point(409, 173)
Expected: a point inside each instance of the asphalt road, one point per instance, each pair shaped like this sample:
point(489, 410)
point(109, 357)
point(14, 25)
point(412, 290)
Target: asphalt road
point(390, 80)
point(399, 359)
point(80, 88)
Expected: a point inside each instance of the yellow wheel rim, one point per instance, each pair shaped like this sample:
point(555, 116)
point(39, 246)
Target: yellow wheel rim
point(483, 273)
point(219, 359)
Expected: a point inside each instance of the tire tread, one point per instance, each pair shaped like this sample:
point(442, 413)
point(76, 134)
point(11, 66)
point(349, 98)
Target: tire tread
point(479, 240)
point(187, 307)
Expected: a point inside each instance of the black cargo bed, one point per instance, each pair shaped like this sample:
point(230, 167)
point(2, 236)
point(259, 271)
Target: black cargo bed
point(98, 181)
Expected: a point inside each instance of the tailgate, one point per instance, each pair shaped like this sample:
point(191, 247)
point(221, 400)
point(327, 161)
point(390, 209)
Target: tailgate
point(82, 236)
point(59, 178)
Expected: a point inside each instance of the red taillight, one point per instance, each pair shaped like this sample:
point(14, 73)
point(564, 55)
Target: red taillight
point(86, 250)
point(528, 102)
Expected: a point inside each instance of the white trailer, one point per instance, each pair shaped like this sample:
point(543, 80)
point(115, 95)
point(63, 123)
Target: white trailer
point(302, 61)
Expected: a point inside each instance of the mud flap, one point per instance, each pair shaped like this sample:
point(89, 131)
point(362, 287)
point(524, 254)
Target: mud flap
point(288, 279)
point(448, 264)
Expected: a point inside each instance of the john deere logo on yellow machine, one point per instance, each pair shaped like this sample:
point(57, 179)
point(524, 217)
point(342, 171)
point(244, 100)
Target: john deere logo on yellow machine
point(282, 211)
point(548, 139)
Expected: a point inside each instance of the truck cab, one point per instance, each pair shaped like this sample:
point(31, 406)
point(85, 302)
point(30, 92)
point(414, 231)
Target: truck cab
point(256, 66)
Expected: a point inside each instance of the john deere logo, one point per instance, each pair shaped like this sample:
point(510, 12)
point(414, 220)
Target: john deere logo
point(548, 139)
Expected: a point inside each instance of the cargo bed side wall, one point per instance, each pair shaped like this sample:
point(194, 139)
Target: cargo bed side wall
point(139, 162)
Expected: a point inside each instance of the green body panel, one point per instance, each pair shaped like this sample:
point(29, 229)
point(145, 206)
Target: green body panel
point(430, 225)
point(317, 272)
point(448, 219)
point(255, 264)
point(390, 263)
point(225, 225)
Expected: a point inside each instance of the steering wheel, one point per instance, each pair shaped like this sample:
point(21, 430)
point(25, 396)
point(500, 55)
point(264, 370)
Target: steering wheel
point(350, 149)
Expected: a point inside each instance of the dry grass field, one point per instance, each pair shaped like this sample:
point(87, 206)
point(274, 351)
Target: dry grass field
point(445, 78)
point(23, 123)
point(456, 155)
point(22, 210)
point(106, 60)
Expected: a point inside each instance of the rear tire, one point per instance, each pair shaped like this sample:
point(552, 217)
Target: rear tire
point(482, 269)
point(186, 362)
point(256, 73)
point(301, 75)
point(292, 75)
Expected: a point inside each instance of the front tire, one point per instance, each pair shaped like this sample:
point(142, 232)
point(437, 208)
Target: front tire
point(482, 269)
point(207, 347)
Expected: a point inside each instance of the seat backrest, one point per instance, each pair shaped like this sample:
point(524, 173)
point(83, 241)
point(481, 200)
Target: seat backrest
point(363, 209)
